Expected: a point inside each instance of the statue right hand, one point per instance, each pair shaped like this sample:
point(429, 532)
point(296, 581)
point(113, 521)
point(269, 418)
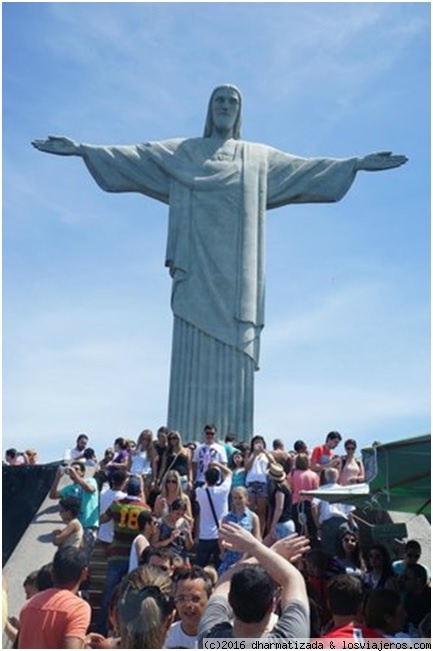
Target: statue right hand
point(382, 160)
point(58, 145)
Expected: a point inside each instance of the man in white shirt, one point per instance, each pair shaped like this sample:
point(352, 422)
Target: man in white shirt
point(192, 591)
point(205, 453)
point(213, 502)
point(106, 498)
point(77, 454)
point(332, 518)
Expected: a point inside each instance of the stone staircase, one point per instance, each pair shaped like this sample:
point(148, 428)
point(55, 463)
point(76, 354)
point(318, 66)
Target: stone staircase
point(98, 574)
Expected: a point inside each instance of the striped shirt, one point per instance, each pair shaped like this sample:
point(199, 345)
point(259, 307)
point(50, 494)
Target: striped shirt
point(125, 517)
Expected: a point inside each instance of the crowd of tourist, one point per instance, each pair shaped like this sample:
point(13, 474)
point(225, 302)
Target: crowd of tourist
point(15, 458)
point(215, 539)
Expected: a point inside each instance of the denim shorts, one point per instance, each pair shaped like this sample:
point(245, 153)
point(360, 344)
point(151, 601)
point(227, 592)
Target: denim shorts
point(258, 488)
point(284, 529)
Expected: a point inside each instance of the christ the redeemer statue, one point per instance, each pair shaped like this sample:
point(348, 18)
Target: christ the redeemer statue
point(218, 189)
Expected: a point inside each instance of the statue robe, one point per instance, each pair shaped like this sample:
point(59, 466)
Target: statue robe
point(218, 193)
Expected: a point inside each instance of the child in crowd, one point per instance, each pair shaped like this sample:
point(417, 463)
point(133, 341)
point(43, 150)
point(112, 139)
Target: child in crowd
point(245, 518)
point(147, 528)
point(30, 584)
point(72, 534)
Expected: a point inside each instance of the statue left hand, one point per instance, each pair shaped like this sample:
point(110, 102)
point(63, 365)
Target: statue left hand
point(382, 160)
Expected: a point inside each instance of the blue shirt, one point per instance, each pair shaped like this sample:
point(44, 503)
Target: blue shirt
point(244, 520)
point(89, 511)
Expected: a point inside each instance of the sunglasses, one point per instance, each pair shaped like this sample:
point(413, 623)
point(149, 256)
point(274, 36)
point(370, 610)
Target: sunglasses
point(350, 447)
point(183, 598)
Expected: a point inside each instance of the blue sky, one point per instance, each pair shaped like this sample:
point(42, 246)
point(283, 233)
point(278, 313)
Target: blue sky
point(86, 316)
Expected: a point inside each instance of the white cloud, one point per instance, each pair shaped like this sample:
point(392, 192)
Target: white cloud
point(334, 316)
point(309, 410)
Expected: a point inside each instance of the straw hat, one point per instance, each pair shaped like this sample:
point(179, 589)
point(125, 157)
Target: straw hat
point(276, 472)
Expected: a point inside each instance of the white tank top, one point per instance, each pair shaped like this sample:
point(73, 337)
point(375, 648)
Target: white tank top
point(258, 469)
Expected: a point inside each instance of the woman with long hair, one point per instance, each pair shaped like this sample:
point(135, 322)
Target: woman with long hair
point(142, 460)
point(177, 457)
point(280, 523)
point(379, 574)
point(108, 456)
point(171, 489)
point(256, 466)
point(348, 559)
point(160, 444)
point(302, 478)
point(350, 469)
point(145, 609)
point(121, 456)
point(174, 530)
point(238, 469)
point(101, 473)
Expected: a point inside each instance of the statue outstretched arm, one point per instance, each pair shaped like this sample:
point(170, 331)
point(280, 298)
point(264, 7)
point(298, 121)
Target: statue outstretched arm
point(58, 145)
point(382, 160)
point(117, 168)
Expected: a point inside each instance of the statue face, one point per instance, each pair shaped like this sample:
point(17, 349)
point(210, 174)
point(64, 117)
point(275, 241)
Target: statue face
point(225, 109)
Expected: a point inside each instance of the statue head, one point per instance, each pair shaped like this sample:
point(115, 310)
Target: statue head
point(225, 90)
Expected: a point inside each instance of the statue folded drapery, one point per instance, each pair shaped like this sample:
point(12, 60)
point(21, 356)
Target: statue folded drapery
point(218, 194)
point(218, 189)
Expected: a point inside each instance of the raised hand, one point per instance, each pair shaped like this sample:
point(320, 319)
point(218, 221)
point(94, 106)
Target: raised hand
point(58, 145)
point(381, 160)
point(235, 537)
point(292, 547)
